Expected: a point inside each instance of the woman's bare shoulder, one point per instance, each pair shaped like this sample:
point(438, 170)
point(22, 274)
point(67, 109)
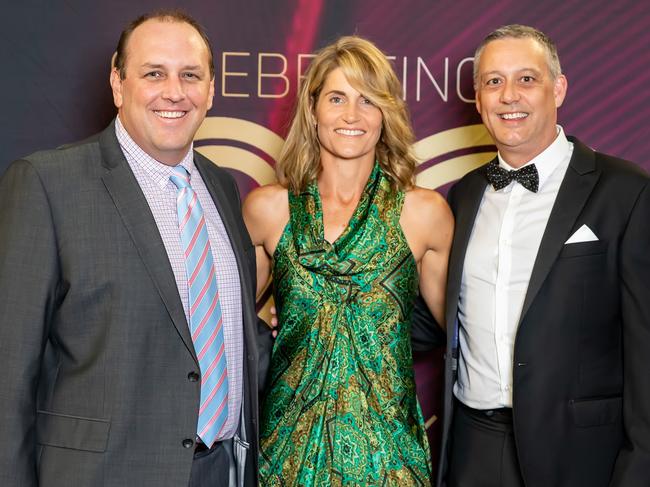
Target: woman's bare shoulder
point(265, 210)
point(423, 202)
point(267, 199)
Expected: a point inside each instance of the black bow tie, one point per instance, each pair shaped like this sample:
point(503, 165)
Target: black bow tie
point(500, 178)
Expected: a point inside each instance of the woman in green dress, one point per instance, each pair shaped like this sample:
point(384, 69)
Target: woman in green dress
point(348, 238)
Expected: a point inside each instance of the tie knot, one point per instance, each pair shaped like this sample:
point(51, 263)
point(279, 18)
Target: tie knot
point(499, 177)
point(180, 177)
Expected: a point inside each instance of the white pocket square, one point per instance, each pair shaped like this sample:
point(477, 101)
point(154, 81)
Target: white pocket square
point(583, 234)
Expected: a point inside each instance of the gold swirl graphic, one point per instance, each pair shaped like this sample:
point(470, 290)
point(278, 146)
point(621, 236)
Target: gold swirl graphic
point(448, 141)
point(235, 129)
point(240, 159)
point(242, 131)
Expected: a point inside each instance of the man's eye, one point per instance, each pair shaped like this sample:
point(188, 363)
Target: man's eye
point(153, 74)
point(493, 81)
point(527, 79)
point(191, 76)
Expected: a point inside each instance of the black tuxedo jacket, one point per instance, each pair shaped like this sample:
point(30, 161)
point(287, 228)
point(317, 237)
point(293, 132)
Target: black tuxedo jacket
point(581, 385)
point(97, 385)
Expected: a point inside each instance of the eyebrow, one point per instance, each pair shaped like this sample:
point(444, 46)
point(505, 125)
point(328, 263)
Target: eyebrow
point(496, 71)
point(335, 92)
point(193, 67)
point(343, 93)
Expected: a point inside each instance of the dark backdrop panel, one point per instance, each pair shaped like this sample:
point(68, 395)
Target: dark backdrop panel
point(56, 61)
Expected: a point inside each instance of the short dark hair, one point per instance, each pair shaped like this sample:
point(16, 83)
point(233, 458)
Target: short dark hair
point(164, 15)
point(518, 31)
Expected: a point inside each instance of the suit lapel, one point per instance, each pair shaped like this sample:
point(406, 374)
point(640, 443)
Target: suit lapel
point(141, 226)
point(464, 198)
point(229, 218)
point(224, 207)
point(578, 183)
point(464, 203)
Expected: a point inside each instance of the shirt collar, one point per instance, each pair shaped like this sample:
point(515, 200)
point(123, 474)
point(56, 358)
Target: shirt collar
point(549, 159)
point(157, 171)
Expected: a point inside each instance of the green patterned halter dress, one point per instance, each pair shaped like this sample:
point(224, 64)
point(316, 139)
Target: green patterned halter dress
point(341, 406)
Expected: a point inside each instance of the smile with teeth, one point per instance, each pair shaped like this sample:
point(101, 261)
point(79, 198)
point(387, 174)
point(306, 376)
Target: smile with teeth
point(350, 132)
point(169, 114)
point(513, 116)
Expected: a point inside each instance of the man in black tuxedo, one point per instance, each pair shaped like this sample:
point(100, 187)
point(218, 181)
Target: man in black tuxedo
point(548, 298)
point(114, 345)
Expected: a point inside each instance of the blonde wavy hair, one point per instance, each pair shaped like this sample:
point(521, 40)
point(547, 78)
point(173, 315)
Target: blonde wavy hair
point(368, 70)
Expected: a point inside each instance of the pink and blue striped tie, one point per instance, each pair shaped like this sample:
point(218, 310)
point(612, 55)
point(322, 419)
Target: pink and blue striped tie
point(206, 324)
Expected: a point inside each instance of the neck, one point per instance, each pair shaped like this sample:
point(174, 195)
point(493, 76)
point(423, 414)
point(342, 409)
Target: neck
point(516, 161)
point(517, 158)
point(344, 179)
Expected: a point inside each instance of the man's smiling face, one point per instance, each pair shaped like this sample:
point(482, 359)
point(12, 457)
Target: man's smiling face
point(167, 90)
point(518, 97)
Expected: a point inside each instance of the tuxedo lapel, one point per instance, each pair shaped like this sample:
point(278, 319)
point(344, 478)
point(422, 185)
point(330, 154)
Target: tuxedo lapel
point(141, 226)
point(465, 200)
point(578, 183)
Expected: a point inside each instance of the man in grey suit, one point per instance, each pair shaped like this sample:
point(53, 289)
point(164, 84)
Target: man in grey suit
point(102, 382)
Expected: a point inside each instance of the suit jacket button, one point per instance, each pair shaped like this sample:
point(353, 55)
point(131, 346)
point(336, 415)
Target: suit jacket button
point(188, 443)
point(193, 377)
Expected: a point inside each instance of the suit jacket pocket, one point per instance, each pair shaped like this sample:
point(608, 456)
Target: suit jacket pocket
point(583, 248)
point(61, 430)
point(596, 411)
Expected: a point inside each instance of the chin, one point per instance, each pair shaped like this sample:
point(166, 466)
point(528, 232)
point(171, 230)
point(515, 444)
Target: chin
point(509, 140)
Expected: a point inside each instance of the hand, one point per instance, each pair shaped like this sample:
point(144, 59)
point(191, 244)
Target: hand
point(274, 321)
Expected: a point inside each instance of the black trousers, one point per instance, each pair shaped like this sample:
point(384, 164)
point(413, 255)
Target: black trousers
point(482, 451)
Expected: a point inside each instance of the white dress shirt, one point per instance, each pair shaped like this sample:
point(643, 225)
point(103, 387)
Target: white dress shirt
point(498, 264)
point(161, 193)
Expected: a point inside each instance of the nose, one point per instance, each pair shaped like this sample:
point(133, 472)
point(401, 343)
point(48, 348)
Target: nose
point(351, 114)
point(173, 90)
point(509, 93)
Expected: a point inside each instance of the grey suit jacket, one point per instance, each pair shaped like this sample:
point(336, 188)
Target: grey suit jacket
point(95, 387)
point(581, 390)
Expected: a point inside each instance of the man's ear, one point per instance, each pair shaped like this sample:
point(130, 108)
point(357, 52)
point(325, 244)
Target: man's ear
point(477, 103)
point(560, 87)
point(116, 87)
point(211, 94)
